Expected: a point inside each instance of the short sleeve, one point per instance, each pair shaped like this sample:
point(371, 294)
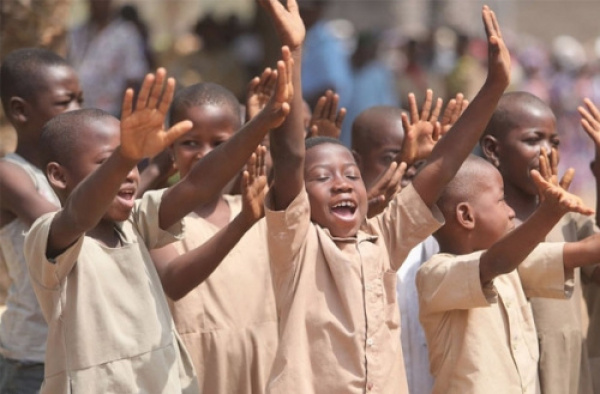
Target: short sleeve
point(287, 230)
point(405, 222)
point(46, 273)
point(543, 273)
point(145, 219)
point(448, 282)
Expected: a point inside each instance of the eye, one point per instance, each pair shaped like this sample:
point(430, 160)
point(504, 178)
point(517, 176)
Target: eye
point(555, 142)
point(387, 159)
point(190, 143)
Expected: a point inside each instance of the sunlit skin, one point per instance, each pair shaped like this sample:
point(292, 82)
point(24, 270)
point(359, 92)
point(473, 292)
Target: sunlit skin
point(60, 92)
point(337, 194)
point(98, 140)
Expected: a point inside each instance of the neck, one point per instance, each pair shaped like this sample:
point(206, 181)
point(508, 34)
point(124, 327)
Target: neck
point(522, 203)
point(31, 153)
point(105, 233)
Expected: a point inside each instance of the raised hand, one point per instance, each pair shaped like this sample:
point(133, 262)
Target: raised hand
point(590, 120)
point(385, 188)
point(453, 110)
point(422, 131)
point(498, 55)
point(260, 90)
point(142, 129)
point(326, 120)
point(553, 193)
point(287, 20)
point(254, 186)
point(278, 106)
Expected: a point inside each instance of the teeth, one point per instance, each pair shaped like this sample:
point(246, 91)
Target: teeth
point(344, 204)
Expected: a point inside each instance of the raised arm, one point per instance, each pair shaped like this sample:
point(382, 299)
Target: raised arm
point(506, 254)
point(590, 121)
point(449, 153)
point(287, 143)
point(212, 173)
point(142, 135)
point(179, 274)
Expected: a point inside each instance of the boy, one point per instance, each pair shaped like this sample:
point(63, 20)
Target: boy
point(228, 323)
point(523, 124)
point(335, 285)
point(472, 297)
point(37, 84)
point(110, 329)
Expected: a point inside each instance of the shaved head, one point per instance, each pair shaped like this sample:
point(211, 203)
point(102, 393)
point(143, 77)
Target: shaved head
point(511, 109)
point(375, 125)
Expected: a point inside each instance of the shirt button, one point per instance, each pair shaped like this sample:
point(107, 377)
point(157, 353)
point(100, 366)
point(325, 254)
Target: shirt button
point(370, 342)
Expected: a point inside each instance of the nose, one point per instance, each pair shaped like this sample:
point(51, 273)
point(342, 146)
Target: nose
point(547, 146)
point(133, 175)
point(341, 184)
point(510, 211)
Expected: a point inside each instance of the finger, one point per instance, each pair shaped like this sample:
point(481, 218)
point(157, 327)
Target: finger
point(437, 131)
point(335, 99)
point(313, 131)
point(251, 167)
point(427, 105)
point(464, 106)
point(544, 166)
point(589, 117)
point(592, 108)
point(340, 118)
point(177, 131)
point(449, 112)
point(318, 112)
point(264, 77)
point(252, 86)
point(157, 88)
point(412, 105)
point(245, 181)
point(567, 179)
point(488, 23)
point(127, 106)
point(498, 32)
point(461, 104)
point(262, 169)
point(142, 98)
point(280, 88)
point(540, 183)
point(554, 161)
point(327, 106)
point(405, 123)
point(167, 97)
point(269, 85)
point(436, 110)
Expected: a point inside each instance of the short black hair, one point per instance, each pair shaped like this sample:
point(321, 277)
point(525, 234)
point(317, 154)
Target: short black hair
point(22, 73)
point(314, 141)
point(61, 134)
point(205, 93)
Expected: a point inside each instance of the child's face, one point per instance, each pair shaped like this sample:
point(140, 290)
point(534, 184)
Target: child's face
point(61, 93)
point(493, 216)
point(385, 144)
point(337, 194)
point(519, 149)
point(212, 126)
point(99, 140)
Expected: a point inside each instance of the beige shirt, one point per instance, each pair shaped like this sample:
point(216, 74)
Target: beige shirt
point(109, 326)
point(229, 322)
point(336, 298)
point(23, 330)
point(483, 339)
point(564, 364)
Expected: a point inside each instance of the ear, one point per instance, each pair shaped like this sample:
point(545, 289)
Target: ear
point(18, 109)
point(464, 215)
point(489, 147)
point(56, 176)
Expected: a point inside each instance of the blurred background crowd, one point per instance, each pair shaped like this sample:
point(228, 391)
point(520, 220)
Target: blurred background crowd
point(383, 49)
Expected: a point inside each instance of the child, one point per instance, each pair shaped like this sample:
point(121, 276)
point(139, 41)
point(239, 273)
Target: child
point(228, 323)
point(472, 297)
point(37, 84)
point(378, 141)
point(334, 274)
point(110, 329)
point(522, 125)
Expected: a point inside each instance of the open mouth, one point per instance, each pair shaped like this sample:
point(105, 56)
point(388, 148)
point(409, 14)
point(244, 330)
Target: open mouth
point(344, 209)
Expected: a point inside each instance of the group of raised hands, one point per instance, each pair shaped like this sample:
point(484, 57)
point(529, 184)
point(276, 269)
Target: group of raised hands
point(270, 94)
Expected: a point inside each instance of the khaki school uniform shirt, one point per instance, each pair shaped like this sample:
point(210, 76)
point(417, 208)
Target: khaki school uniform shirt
point(483, 339)
point(564, 364)
point(336, 298)
point(229, 322)
point(109, 326)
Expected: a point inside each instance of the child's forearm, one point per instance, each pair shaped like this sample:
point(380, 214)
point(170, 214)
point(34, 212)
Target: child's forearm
point(213, 172)
point(88, 202)
point(582, 253)
point(187, 271)
point(452, 150)
point(287, 146)
point(510, 251)
point(595, 167)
